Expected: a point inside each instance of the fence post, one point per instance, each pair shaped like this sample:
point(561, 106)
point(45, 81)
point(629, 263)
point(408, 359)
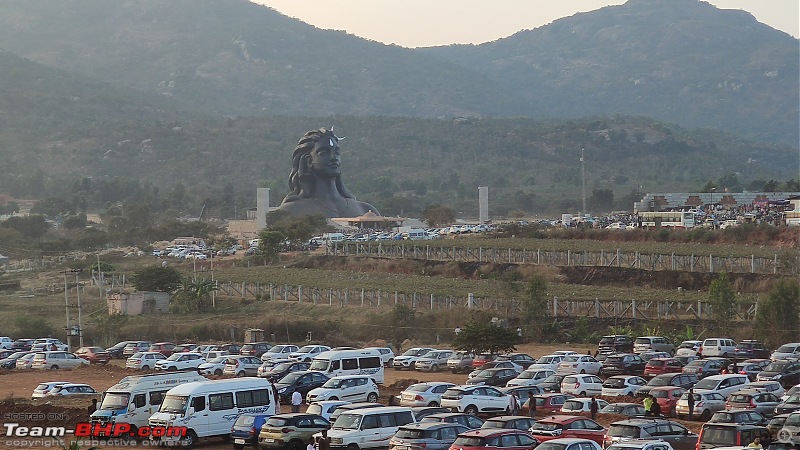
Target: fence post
point(597, 308)
point(775, 264)
point(555, 306)
point(710, 263)
point(691, 263)
point(431, 302)
point(300, 294)
point(568, 256)
point(480, 254)
point(362, 295)
point(538, 256)
point(752, 263)
point(395, 298)
point(633, 309)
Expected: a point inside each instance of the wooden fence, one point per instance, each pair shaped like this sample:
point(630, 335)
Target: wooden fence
point(558, 307)
point(617, 258)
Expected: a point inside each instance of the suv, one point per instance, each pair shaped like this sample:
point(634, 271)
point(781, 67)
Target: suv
point(353, 388)
point(474, 399)
point(291, 430)
point(657, 343)
point(409, 358)
point(658, 366)
point(255, 349)
point(678, 436)
point(705, 367)
point(741, 416)
point(623, 364)
point(748, 349)
point(714, 435)
point(433, 360)
point(6, 342)
point(563, 426)
point(615, 343)
point(717, 347)
point(281, 351)
point(135, 347)
point(460, 362)
point(165, 348)
point(724, 385)
point(785, 371)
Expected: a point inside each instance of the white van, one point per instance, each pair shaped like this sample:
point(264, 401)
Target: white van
point(368, 427)
point(136, 397)
point(332, 238)
point(209, 408)
point(717, 347)
point(416, 234)
point(336, 363)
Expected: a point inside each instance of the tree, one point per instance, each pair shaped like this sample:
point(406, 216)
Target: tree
point(438, 215)
point(479, 337)
point(9, 208)
point(192, 296)
point(52, 207)
point(33, 226)
point(778, 317)
point(270, 243)
point(601, 200)
point(722, 299)
point(296, 229)
point(157, 278)
point(534, 303)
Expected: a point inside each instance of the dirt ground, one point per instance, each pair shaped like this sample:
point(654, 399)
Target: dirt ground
point(16, 387)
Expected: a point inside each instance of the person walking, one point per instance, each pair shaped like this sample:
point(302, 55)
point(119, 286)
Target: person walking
point(690, 402)
point(297, 400)
point(514, 404)
point(531, 405)
point(594, 407)
point(655, 410)
point(93, 407)
point(324, 442)
point(277, 399)
point(648, 405)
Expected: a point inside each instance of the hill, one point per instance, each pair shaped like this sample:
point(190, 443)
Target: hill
point(681, 61)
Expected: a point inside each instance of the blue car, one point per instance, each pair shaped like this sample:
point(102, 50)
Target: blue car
point(246, 429)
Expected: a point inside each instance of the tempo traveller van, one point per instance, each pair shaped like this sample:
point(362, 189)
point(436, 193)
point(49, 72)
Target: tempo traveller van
point(368, 427)
point(337, 363)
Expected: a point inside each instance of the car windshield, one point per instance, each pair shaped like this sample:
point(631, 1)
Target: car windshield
point(484, 374)
point(795, 398)
point(627, 431)
point(218, 360)
point(687, 345)
point(793, 420)
point(723, 416)
point(706, 384)
point(137, 355)
point(319, 364)
point(614, 383)
point(739, 398)
point(411, 352)
point(614, 359)
point(554, 379)
point(607, 340)
point(787, 349)
point(290, 378)
point(659, 393)
point(114, 400)
point(641, 341)
point(613, 409)
point(469, 441)
point(545, 426)
point(431, 355)
point(697, 363)
point(718, 436)
point(573, 405)
point(404, 433)
point(572, 358)
point(775, 367)
point(276, 422)
point(551, 446)
point(244, 421)
point(525, 375)
point(656, 362)
point(420, 387)
point(569, 380)
point(660, 381)
point(305, 349)
point(348, 422)
point(546, 359)
point(333, 383)
point(174, 357)
point(282, 366)
point(174, 404)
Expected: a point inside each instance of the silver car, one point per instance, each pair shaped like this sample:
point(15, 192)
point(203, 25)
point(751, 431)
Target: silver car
point(426, 436)
point(241, 365)
point(424, 394)
point(705, 405)
point(433, 360)
point(762, 402)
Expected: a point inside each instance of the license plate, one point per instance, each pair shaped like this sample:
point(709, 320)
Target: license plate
point(238, 441)
point(268, 441)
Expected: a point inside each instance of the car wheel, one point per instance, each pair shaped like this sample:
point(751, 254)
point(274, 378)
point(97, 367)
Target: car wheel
point(172, 369)
point(218, 372)
point(53, 367)
point(240, 374)
point(241, 447)
point(352, 447)
point(296, 444)
point(582, 394)
point(705, 416)
point(583, 371)
point(434, 368)
point(390, 363)
point(334, 398)
point(190, 439)
point(471, 410)
point(372, 397)
point(433, 405)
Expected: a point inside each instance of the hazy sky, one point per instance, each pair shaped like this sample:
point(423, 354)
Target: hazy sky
point(420, 23)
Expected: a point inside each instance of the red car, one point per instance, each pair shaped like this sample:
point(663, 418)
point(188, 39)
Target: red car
point(563, 426)
point(667, 397)
point(480, 360)
point(551, 402)
point(499, 438)
point(657, 366)
point(95, 355)
point(165, 348)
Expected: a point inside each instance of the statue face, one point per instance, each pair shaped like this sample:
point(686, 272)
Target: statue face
point(325, 159)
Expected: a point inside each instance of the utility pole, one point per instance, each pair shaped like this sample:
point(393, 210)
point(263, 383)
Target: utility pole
point(80, 319)
point(583, 181)
point(66, 306)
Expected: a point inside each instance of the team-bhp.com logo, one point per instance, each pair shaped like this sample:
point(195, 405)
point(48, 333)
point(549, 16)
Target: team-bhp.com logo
point(94, 430)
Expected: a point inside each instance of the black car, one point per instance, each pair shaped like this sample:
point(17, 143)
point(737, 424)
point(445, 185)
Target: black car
point(421, 412)
point(6, 353)
point(615, 343)
point(552, 383)
point(790, 405)
point(751, 369)
point(623, 364)
point(510, 422)
point(739, 416)
point(684, 380)
point(299, 381)
point(283, 369)
point(10, 361)
point(22, 345)
point(521, 359)
point(706, 367)
point(255, 349)
point(678, 436)
point(468, 420)
point(748, 349)
point(787, 372)
point(494, 377)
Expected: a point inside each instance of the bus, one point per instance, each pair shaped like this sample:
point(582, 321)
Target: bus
point(668, 219)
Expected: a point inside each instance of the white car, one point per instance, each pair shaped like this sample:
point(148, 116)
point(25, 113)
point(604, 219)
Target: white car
point(353, 388)
point(791, 391)
point(531, 377)
point(579, 364)
point(723, 385)
point(73, 389)
point(279, 352)
point(773, 387)
point(180, 361)
point(639, 444)
point(409, 358)
point(433, 360)
point(144, 360)
point(325, 408)
point(424, 394)
point(688, 348)
point(582, 385)
point(44, 388)
point(705, 405)
point(57, 360)
point(577, 405)
point(387, 355)
point(50, 342)
point(786, 351)
point(308, 352)
point(573, 444)
point(214, 366)
point(6, 343)
point(547, 362)
point(475, 399)
point(622, 385)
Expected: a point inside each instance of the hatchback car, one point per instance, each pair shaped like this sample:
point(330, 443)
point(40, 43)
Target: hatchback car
point(22, 345)
point(408, 359)
point(749, 349)
point(241, 365)
point(279, 371)
point(281, 351)
point(57, 360)
point(657, 343)
point(547, 362)
point(468, 420)
point(44, 388)
point(624, 409)
point(683, 380)
point(705, 405)
point(552, 383)
point(615, 343)
point(688, 348)
point(705, 367)
point(353, 388)
point(751, 369)
point(116, 350)
point(551, 402)
point(530, 377)
point(144, 360)
point(475, 399)
point(135, 347)
point(246, 428)
point(460, 362)
point(622, 364)
point(302, 382)
point(73, 389)
point(510, 422)
point(24, 361)
point(496, 365)
point(658, 366)
point(761, 402)
point(577, 363)
point(579, 405)
point(564, 426)
point(740, 416)
point(255, 349)
point(165, 348)
point(180, 361)
point(479, 360)
point(214, 366)
point(494, 438)
point(790, 405)
point(523, 360)
point(95, 355)
point(786, 351)
point(307, 352)
point(493, 377)
point(620, 385)
point(426, 436)
point(424, 394)
point(667, 398)
point(291, 431)
point(787, 372)
point(678, 436)
point(433, 361)
point(582, 385)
